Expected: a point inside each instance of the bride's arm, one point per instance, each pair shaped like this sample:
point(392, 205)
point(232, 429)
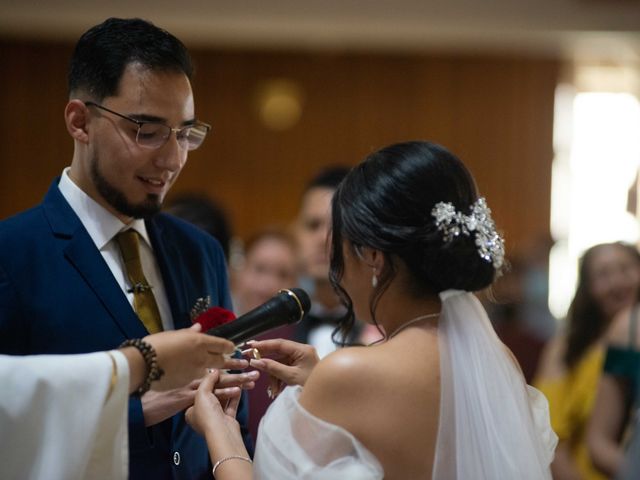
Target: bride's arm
point(221, 430)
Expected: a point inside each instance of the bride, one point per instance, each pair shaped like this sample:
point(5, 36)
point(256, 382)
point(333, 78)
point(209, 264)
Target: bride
point(441, 397)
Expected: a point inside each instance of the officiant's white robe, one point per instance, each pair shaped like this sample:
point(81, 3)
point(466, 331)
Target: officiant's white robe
point(64, 416)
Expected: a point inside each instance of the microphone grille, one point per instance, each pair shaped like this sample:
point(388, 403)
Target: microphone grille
point(303, 298)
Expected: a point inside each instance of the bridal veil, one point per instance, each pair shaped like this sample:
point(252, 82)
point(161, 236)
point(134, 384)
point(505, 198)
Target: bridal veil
point(492, 425)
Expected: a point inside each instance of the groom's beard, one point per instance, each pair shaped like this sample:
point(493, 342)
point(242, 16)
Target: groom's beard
point(117, 199)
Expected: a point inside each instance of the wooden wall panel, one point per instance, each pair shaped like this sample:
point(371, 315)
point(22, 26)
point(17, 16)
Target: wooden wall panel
point(496, 113)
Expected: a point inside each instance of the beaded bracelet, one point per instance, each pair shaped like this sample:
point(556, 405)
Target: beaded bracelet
point(230, 457)
point(154, 372)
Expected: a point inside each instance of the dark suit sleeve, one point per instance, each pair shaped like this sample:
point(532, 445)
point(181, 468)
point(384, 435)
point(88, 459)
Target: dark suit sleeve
point(139, 438)
point(12, 338)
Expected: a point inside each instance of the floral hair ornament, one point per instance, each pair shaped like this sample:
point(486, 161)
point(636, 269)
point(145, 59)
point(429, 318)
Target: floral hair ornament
point(453, 223)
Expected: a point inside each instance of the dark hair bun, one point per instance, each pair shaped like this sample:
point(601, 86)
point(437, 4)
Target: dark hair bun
point(451, 265)
point(386, 203)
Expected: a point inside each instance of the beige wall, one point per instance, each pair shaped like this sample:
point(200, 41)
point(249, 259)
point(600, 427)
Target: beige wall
point(494, 112)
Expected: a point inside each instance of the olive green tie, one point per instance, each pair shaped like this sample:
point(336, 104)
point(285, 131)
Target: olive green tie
point(144, 303)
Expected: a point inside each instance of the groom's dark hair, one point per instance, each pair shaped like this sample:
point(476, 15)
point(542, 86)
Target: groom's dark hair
point(105, 50)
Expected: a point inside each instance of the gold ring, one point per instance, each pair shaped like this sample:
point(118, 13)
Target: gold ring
point(255, 353)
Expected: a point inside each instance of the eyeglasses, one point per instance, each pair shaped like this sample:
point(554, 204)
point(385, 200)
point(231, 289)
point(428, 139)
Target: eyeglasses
point(156, 134)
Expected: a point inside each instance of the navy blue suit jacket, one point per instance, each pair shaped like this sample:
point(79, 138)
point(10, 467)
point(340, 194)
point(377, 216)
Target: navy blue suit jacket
point(57, 295)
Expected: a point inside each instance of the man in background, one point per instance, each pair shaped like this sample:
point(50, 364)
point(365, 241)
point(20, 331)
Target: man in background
point(312, 229)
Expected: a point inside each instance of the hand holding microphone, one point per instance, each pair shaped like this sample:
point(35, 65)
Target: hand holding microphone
point(292, 362)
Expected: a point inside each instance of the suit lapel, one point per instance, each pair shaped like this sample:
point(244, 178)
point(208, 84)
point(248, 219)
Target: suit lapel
point(82, 253)
point(172, 271)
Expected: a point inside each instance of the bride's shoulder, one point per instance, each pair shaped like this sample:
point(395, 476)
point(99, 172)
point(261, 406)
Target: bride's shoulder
point(345, 368)
point(343, 376)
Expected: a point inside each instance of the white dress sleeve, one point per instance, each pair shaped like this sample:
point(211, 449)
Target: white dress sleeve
point(293, 444)
point(60, 418)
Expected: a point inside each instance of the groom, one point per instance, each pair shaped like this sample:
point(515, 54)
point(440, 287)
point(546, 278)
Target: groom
point(69, 281)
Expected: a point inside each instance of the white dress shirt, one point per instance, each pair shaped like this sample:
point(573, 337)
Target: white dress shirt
point(103, 226)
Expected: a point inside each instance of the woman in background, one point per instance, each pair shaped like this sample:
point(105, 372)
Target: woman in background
point(608, 283)
point(268, 265)
point(618, 395)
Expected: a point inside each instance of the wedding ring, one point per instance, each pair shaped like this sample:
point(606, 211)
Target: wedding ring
point(254, 352)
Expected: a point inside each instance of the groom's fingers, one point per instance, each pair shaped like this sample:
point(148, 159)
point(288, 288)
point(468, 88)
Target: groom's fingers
point(237, 379)
point(235, 364)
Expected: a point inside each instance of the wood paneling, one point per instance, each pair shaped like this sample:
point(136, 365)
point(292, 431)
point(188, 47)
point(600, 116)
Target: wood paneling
point(495, 113)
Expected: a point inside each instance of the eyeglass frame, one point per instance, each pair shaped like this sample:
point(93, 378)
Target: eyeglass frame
point(140, 123)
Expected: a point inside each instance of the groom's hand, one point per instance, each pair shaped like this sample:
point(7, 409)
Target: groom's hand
point(158, 406)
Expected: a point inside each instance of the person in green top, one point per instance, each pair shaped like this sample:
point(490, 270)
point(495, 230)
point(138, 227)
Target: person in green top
point(617, 396)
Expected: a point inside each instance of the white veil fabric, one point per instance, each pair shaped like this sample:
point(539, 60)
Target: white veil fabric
point(492, 425)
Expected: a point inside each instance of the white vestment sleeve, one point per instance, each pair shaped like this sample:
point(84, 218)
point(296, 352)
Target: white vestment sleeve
point(60, 419)
point(293, 444)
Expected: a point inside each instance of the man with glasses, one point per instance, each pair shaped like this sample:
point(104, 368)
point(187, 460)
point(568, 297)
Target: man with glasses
point(96, 263)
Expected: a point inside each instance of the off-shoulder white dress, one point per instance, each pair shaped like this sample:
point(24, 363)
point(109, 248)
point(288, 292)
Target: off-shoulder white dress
point(492, 425)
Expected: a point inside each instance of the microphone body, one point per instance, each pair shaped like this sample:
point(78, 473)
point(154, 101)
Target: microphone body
point(287, 307)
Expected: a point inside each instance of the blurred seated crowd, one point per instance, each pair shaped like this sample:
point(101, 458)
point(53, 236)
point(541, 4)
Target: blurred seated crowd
point(587, 364)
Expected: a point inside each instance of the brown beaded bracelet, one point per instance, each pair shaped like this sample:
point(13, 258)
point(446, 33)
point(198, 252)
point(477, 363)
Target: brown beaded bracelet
point(154, 372)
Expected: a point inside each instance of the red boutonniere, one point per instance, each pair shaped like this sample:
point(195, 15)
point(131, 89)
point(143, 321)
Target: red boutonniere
point(213, 317)
point(210, 317)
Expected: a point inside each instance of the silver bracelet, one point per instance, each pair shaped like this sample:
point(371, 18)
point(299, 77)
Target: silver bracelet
point(230, 457)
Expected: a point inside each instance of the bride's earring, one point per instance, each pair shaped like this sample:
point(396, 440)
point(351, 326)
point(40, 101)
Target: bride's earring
point(374, 280)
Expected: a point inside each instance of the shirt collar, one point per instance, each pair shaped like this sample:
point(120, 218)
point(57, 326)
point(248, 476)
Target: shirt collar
point(101, 224)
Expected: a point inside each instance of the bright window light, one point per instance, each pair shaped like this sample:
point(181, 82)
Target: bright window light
point(592, 174)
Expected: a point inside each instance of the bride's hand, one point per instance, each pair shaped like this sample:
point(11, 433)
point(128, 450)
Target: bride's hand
point(291, 364)
point(207, 413)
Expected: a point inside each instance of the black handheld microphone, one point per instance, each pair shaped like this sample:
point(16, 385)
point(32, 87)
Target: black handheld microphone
point(288, 306)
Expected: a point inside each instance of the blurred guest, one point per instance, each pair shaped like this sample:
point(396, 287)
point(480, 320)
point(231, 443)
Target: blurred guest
point(312, 232)
point(617, 398)
point(608, 283)
point(269, 264)
point(203, 212)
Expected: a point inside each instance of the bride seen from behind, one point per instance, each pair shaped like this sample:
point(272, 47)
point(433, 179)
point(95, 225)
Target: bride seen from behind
point(440, 397)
